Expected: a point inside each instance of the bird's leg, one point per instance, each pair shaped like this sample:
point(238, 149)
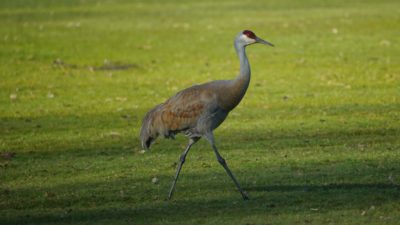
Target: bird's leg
point(182, 160)
point(210, 138)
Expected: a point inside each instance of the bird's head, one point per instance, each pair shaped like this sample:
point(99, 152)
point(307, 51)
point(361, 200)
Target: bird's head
point(248, 37)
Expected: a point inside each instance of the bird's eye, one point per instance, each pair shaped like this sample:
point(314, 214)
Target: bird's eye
point(249, 34)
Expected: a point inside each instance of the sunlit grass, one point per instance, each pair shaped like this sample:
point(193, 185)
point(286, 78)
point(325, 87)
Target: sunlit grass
point(315, 140)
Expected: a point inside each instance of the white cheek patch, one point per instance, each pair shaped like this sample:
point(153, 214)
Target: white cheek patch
point(248, 40)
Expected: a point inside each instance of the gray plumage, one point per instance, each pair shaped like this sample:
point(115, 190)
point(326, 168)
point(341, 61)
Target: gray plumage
point(198, 110)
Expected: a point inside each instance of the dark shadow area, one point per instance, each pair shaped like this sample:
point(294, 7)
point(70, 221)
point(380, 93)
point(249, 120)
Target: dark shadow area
point(327, 187)
point(329, 198)
point(348, 186)
point(102, 202)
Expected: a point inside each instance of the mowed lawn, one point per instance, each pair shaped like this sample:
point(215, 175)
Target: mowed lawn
point(316, 139)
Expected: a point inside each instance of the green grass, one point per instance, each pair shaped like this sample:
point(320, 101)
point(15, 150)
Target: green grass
point(315, 140)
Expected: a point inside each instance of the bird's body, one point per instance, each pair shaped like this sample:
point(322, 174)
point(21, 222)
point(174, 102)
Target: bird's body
point(193, 111)
point(198, 110)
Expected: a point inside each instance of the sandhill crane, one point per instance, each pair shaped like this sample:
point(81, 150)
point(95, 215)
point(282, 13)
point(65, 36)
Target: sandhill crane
point(198, 110)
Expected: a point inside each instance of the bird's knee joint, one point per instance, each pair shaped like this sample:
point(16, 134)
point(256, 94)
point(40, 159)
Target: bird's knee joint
point(183, 158)
point(221, 160)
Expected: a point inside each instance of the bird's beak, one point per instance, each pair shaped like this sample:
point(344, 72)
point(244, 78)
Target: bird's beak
point(261, 41)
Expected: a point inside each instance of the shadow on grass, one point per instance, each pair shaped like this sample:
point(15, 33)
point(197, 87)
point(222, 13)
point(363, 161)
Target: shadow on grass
point(327, 187)
point(323, 198)
point(198, 198)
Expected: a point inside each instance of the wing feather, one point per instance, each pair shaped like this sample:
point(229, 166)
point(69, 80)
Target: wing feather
point(183, 110)
point(179, 113)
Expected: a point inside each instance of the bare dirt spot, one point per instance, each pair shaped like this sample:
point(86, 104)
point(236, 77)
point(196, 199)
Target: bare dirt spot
point(107, 65)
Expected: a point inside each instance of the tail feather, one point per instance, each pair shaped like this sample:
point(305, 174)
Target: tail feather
point(147, 133)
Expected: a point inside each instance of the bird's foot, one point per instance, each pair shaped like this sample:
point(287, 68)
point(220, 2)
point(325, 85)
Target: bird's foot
point(244, 195)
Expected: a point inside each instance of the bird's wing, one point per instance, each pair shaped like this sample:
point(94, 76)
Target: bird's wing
point(183, 110)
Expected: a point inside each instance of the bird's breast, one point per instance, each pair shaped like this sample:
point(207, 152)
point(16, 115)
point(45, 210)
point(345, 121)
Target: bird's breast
point(231, 95)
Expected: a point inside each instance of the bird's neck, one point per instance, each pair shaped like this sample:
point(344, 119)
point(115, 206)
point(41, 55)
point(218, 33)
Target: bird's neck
point(244, 73)
point(231, 95)
point(240, 84)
